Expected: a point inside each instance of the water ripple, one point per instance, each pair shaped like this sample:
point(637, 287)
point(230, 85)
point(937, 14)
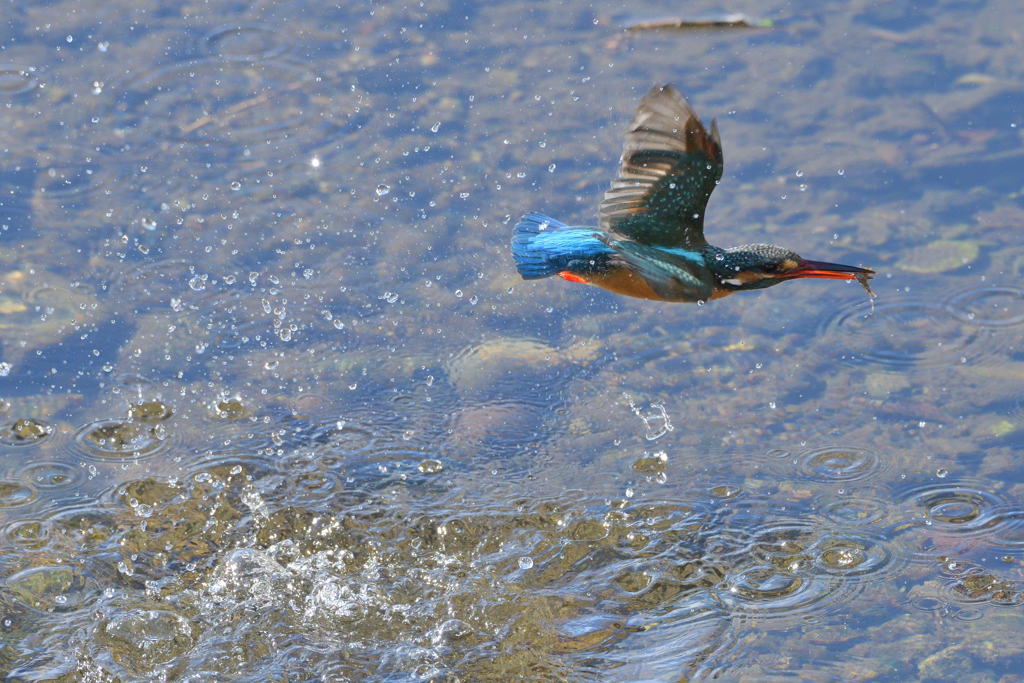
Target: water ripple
point(16, 82)
point(15, 493)
point(946, 519)
point(854, 555)
point(49, 475)
point(839, 463)
point(856, 511)
point(51, 589)
point(246, 43)
point(24, 432)
point(998, 307)
point(905, 333)
point(28, 535)
point(117, 440)
point(967, 583)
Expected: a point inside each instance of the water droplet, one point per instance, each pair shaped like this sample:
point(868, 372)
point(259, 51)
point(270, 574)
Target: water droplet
point(339, 325)
point(235, 185)
point(70, 39)
point(525, 562)
point(436, 127)
point(941, 473)
point(103, 46)
point(542, 143)
point(521, 174)
point(473, 299)
point(700, 303)
point(772, 405)
point(5, 369)
point(842, 172)
point(551, 168)
point(383, 189)
point(799, 174)
point(197, 283)
point(463, 195)
point(143, 248)
point(719, 257)
point(229, 279)
point(510, 290)
point(266, 306)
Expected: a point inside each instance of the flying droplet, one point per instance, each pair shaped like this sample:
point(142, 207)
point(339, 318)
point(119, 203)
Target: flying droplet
point(525, 562)
point(236, 186)
point(197, 283)
point(799, 174)
point(383, 189)
point(941, 473)
point(551, 168)
point(436, 127)
point(719, 257)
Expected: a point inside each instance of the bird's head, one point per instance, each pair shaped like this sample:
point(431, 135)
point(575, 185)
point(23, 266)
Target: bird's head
point(756, 266)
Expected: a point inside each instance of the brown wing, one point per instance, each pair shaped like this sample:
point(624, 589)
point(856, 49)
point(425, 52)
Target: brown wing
point(670, 166)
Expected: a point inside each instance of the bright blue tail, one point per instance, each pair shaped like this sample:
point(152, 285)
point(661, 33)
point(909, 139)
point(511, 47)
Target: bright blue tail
point(543, 246)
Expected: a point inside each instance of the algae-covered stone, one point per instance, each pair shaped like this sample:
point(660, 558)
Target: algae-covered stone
point(38, 308)
point(492, 362)
point(939, 256)
point(990, 643)
point(881, 384)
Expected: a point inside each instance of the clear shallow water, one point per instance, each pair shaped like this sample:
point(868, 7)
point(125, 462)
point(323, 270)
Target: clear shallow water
point(271, 418)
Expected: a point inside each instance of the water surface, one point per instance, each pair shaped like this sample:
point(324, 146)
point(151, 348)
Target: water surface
point(277, 407)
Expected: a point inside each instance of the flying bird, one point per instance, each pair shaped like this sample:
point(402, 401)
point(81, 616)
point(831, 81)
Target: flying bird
point(649, 242)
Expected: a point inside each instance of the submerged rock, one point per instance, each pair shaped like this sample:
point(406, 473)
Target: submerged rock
point(939, 256)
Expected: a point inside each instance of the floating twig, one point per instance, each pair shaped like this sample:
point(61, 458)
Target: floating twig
point(717, 21)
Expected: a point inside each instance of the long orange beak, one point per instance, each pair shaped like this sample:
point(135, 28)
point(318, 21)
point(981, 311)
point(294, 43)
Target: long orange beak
point(828, 271)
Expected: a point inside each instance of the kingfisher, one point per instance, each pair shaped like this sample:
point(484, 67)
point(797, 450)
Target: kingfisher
point(649, 242)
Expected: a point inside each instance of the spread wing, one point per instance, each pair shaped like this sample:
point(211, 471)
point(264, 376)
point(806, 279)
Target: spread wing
point(670, 166)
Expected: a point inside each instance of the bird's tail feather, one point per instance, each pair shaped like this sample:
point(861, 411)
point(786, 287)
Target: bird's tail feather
point(543, 246)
